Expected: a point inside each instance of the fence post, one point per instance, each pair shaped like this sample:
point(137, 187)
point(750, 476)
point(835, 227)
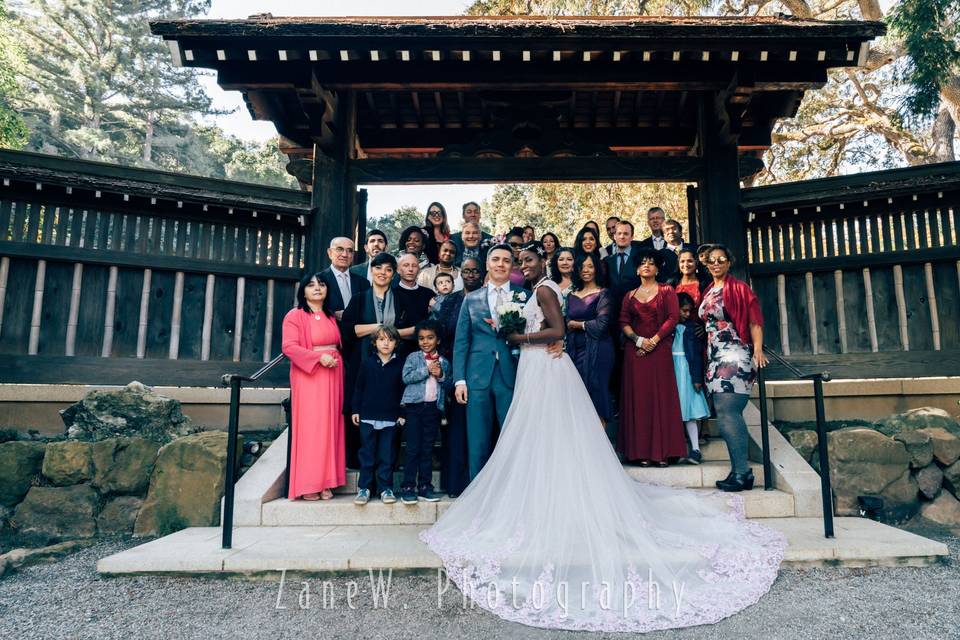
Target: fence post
point(231, 471)
point(825, 488)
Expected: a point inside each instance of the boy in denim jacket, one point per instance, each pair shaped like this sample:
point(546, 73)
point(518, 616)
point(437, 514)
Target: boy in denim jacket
point(427, 376)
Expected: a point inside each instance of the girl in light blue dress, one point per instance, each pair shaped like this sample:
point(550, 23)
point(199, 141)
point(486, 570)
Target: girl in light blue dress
point(688, 367)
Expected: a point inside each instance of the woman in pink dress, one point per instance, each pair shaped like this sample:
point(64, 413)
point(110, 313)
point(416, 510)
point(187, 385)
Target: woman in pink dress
point(311, 339)
point(651, 428)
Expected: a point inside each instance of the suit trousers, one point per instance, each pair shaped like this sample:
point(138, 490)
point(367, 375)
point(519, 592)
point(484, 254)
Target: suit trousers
point(481, 404)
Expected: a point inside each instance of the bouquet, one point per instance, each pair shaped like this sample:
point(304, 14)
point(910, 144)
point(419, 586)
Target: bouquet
point(511, 321)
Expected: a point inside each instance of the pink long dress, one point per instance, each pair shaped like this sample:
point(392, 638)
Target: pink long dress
point(317, 454)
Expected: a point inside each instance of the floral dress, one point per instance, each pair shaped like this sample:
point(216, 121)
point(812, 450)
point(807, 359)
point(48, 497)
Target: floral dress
point(729, 359)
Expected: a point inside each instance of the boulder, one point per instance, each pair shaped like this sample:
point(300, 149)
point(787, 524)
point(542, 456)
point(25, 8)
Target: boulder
point(919, 445)
point(56, 513)
point(18, 558)
point(67, 462)
point(929, 480)
point(946, 446)
point(864, 462)
point(804, 441)
point(920, 418)
point(134, 411)
point(123, 465)
point(119, 514)
point(951, 478)
point(186, 485)
point(944, 510)
point(20, 462)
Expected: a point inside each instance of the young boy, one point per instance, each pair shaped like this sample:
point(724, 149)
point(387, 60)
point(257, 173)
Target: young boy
point(443, 285)
point(427, 376)
point(377, 410)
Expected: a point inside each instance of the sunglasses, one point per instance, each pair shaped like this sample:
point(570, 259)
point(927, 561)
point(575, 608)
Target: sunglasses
point(720, 260)
point(435, 213)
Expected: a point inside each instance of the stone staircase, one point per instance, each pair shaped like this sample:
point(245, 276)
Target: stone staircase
point(272, 533)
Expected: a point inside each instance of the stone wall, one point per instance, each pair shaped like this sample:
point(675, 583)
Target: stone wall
point(910, 460)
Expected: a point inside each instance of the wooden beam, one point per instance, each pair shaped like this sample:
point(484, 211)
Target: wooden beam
point(473, 170)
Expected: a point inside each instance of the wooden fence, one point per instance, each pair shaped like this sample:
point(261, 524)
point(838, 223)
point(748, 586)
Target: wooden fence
point(861, 274)
point(109, 273)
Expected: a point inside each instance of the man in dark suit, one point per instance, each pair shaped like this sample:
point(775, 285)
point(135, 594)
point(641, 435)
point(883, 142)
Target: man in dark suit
point(341, 283)
point(655, 219)
point(471, 213)
point(622, 262)
point(376, 243)
point(673, 233)
point(611, 225)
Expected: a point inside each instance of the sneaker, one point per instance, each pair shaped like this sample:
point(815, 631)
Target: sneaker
point(363, 497)
point(695, 457)
point(387, 497)
point(427, 495)
point(408, 496)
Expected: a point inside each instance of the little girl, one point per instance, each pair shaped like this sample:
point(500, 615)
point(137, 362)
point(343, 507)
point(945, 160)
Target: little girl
point(688, 367)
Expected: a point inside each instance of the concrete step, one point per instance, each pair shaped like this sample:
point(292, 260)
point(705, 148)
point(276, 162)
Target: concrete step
point(264, 551)
point(677, 475)
point(340, 511)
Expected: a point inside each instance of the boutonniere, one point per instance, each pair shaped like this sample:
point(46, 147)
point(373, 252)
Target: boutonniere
point(520, 296)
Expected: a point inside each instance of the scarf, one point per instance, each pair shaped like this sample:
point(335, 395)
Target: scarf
point(385, 312)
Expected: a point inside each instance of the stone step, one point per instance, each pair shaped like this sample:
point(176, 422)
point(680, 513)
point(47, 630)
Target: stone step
point(340, 511)
point(264, 551)
point(677, 475)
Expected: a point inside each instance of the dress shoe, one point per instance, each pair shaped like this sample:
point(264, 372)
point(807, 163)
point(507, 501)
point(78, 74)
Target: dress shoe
point(737, 482)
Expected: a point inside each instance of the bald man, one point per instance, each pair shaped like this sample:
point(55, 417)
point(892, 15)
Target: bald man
point(341, 284)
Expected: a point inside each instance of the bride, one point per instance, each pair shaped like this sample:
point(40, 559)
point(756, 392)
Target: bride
point(553, 533)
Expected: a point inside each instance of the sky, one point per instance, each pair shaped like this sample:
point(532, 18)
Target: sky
point(381, 199)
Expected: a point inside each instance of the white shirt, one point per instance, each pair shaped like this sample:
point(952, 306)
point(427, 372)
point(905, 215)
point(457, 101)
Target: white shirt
point(659, 242)
point(492, 296)
point(343, 281)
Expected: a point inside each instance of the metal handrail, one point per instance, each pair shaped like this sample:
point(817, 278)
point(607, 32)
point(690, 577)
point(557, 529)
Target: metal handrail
point(818, 379)
point(235, 381)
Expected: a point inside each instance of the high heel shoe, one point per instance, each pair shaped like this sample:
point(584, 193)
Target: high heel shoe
point(737, 482)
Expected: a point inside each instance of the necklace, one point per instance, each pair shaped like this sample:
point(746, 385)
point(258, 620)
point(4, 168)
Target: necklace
point(316, 314)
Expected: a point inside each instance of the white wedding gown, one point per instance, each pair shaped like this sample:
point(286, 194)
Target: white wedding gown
point(553, 532)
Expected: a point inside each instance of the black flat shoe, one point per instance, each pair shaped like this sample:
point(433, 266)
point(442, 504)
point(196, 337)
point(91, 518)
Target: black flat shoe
point(737, 482)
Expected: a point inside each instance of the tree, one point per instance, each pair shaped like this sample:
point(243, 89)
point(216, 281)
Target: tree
point(13, 133)
point(394, 223)
point(97, 84)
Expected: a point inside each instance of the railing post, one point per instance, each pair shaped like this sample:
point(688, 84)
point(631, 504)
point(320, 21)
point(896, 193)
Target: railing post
point(288, 412)
point(825, 488)
point(231, 471)
point(764, 433)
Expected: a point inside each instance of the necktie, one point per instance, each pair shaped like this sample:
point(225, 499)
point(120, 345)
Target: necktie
point(499, 302)
point(621, 259)
point(345, 287)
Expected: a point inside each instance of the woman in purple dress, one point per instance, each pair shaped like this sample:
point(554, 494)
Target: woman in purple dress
point(589, 343)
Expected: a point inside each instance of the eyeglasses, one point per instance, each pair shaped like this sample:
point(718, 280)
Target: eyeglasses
point(340, 250)
point(472, 271)
point(720, 260)
point(516, 245)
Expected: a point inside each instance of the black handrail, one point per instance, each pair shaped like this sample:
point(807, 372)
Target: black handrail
point(235, 381)
point(818, 379)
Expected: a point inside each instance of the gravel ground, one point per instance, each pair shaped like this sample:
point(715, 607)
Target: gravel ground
point(67, 599)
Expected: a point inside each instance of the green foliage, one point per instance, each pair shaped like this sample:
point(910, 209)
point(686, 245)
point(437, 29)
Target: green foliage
point(393, 224)
point(930, 30)
point(13, 133)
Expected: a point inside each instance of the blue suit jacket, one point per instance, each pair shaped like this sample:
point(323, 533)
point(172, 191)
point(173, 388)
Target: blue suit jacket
point(477, 348)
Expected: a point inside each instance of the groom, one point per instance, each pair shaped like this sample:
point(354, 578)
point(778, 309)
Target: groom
point(482, 363)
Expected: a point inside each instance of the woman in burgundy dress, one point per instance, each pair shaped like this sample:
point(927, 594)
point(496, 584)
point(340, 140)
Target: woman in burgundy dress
point(651, 427)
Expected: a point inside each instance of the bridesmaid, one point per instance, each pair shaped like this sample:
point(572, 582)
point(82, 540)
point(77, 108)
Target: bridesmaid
point(515, 240)
point(550, 243)
point(588, 242)
point(651, 426)
point(561, 272)
point(311, 340)
point(589, 311)
point(689, 281)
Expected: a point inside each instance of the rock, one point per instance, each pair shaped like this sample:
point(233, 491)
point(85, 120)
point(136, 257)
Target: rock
point(804, 441)
point(134, 410)
point(929, 479)
point(123, 465)
point(67, 462)
point(20, 462)
point(17, 558)
point(5, 514)
point(56, 513)
point(919, 446)
point(920, 418)
point(864, 462)
point(186, 485)
point(119, 515)
point(946, 446)
point(951, 478)
point(944, 510)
